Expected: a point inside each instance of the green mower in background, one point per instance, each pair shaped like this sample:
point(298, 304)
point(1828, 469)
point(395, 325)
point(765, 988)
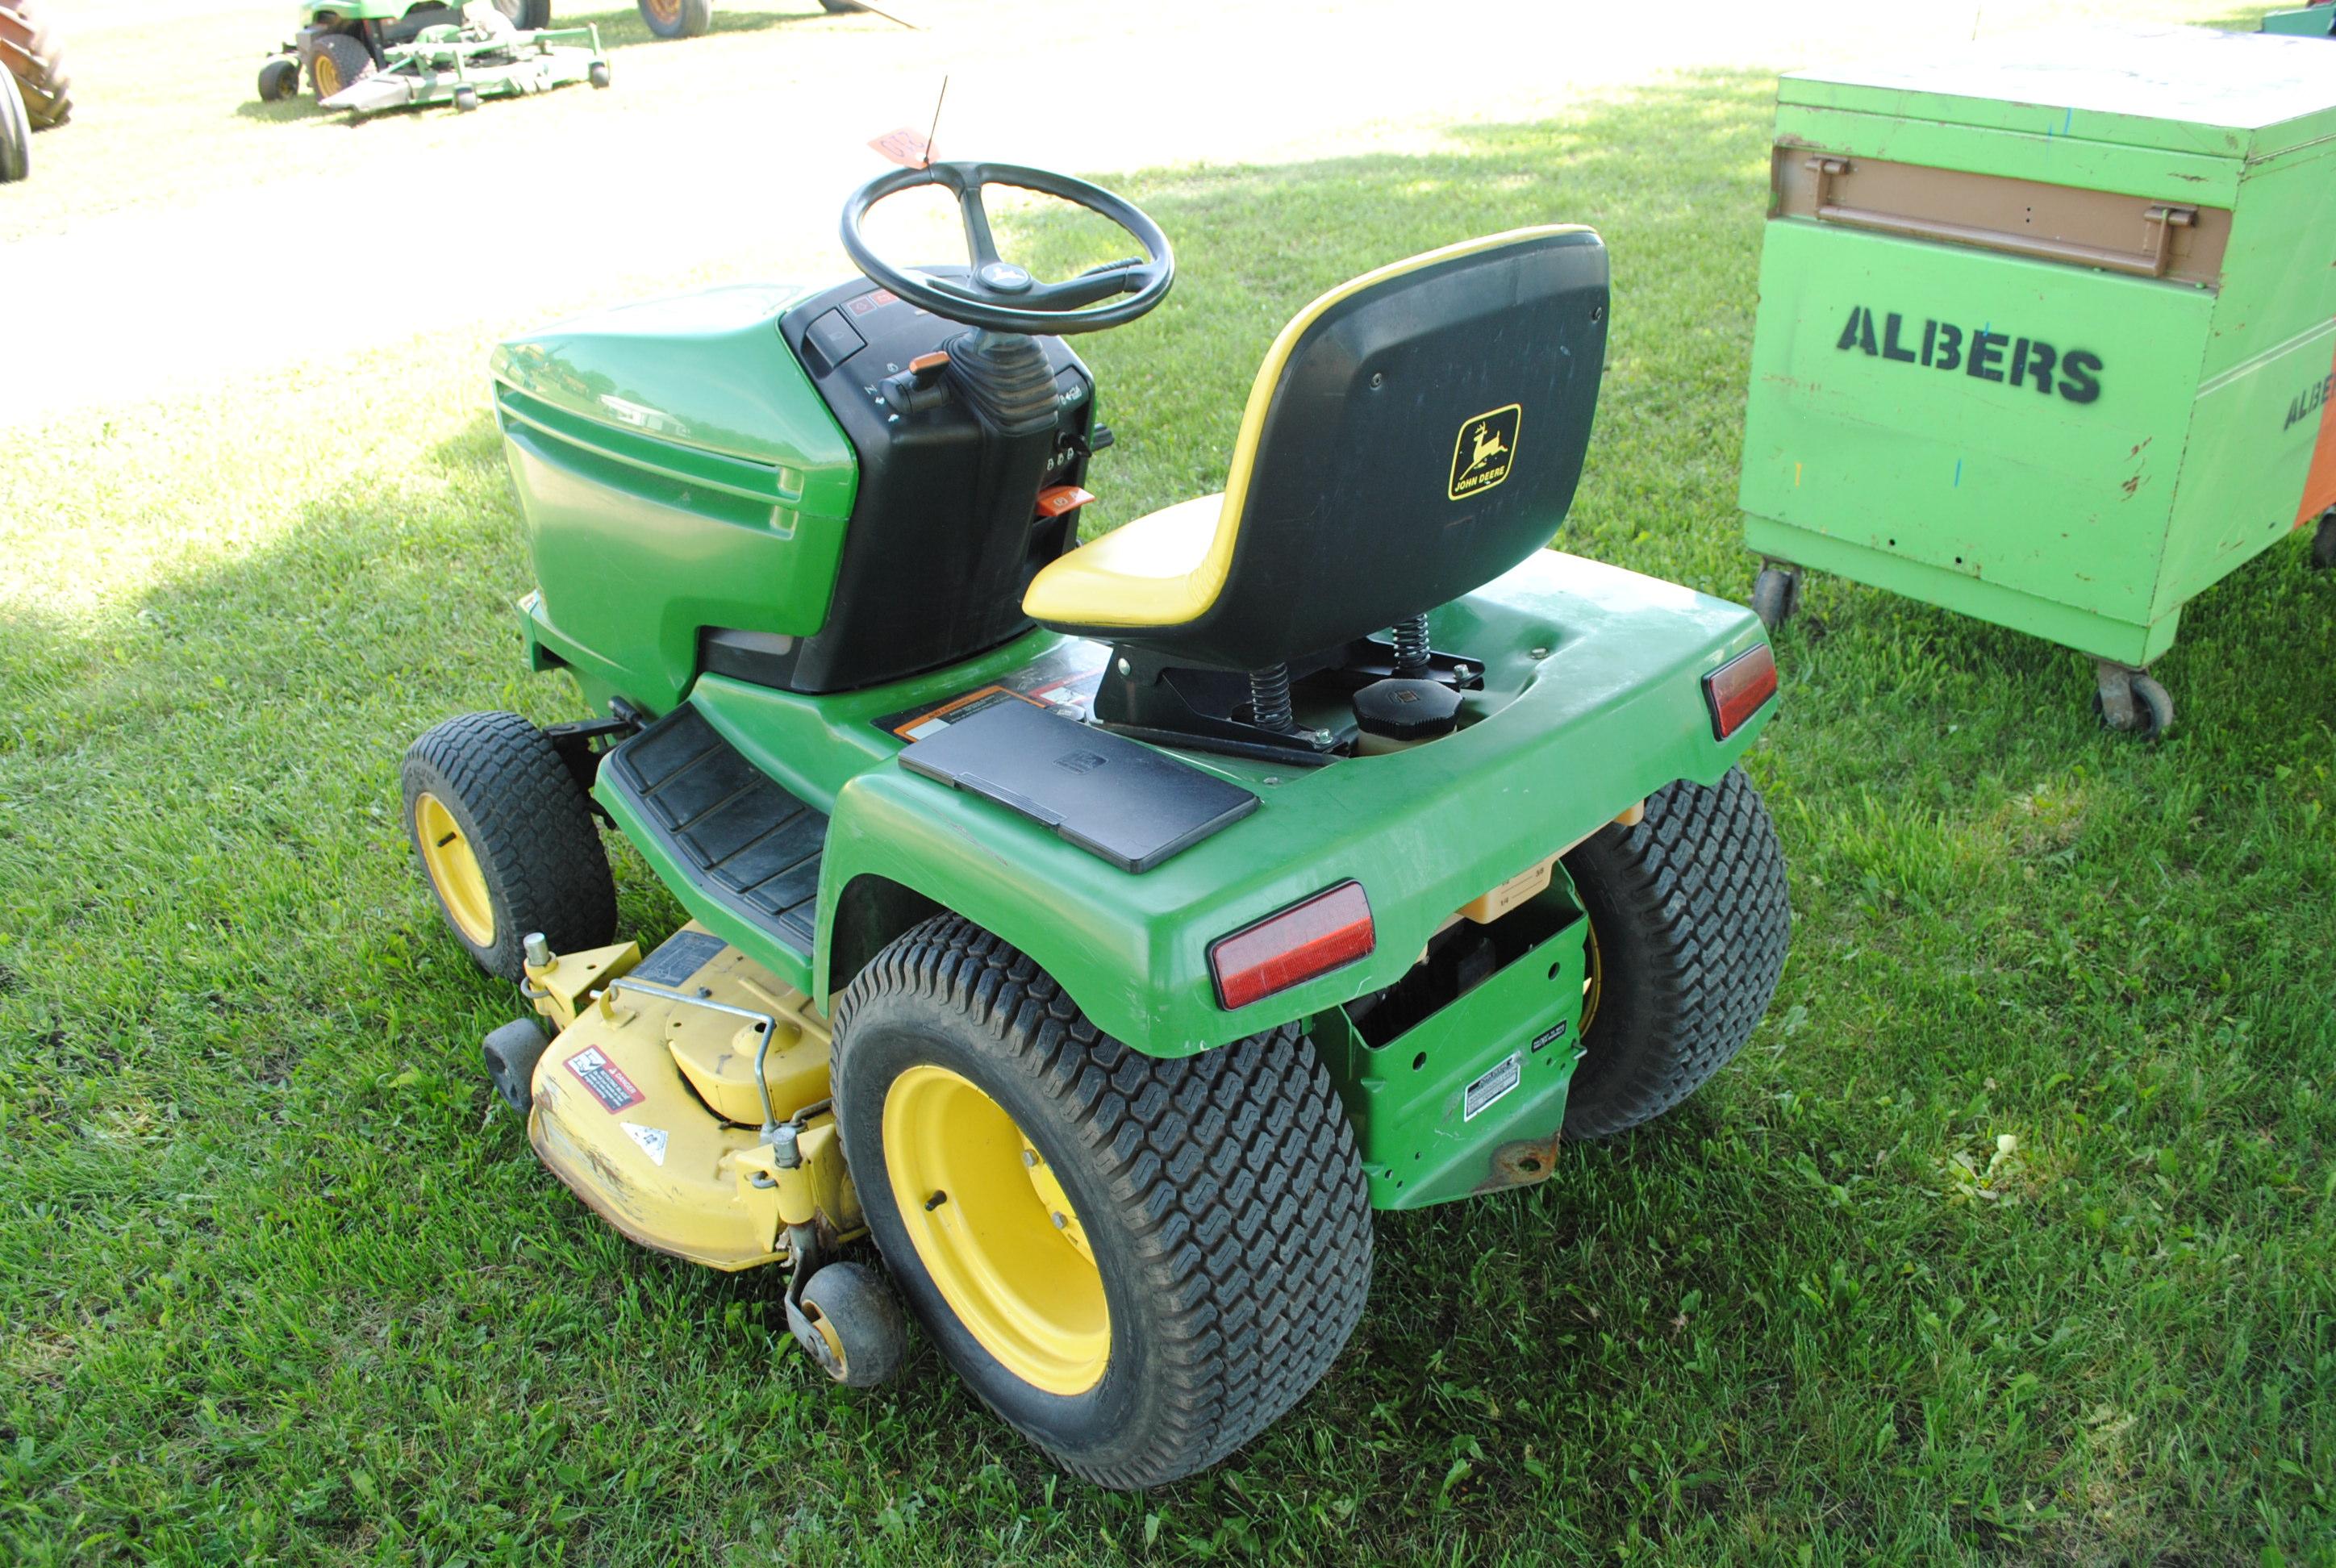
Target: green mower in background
point(1103, 931)
point(366, 56)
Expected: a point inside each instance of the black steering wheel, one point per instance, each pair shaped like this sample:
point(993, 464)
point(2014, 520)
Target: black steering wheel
point(1001, 296)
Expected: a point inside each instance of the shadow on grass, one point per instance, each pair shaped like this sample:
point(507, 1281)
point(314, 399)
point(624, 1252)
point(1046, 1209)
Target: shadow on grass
point(1770, 1322)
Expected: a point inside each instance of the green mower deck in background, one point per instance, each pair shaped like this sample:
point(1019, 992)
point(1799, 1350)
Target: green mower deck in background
point(1104, 930)
point(2046, 331)
point(2310, 22)
point(366, 56)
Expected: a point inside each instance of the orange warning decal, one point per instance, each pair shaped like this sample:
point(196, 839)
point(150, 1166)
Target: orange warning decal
point(2320, 481)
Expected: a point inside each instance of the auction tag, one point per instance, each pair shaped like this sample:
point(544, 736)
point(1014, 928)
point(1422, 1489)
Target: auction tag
point(906, 147)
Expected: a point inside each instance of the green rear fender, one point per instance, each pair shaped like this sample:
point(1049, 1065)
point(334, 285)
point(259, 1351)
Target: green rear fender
point(1593, 675)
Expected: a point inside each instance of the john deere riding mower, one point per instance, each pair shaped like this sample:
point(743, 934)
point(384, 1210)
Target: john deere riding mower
point(366, 56)
point(36, 94)
point(1103, 931)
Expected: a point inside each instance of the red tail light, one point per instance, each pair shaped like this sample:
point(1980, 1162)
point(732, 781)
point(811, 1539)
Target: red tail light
point(1738, 689)
point(1306, 939)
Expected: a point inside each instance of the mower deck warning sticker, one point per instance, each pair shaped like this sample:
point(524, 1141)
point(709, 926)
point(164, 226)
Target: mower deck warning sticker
point(1064, 678)
point(1483, 451)
point(607, 1080)
point(652, 1140)
point(1506, 1074)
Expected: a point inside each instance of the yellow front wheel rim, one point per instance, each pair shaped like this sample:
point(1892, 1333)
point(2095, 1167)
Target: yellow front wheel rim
point(993, 1227)
point(454, 868)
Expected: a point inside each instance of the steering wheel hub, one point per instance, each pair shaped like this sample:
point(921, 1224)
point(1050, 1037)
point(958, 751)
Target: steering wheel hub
point(1001, 296)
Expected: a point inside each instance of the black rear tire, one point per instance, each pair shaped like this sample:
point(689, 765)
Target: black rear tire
point(527, 15)
point(1219, 1196)
point(1690, 917)
point(32, 54)
point(678, 18)
point(15, 133)
point(339, 61)
point(510, 797)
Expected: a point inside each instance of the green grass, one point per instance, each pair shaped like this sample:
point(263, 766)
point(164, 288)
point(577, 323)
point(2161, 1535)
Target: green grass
point(2007, 1238)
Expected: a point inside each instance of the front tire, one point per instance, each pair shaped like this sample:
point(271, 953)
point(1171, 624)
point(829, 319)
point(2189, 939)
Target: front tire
point(506, 841)
point(1138, 1263)
point(1689, 918)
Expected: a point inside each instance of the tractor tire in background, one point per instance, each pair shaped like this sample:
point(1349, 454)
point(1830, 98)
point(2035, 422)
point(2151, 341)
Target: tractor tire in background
point(527, 15)
point(339, 61)
point(506, 840)
point(1140, 1262)
point(31, 54)
point(841, 7)
point(15, 133)
point(1689, 922)
point(678, 18)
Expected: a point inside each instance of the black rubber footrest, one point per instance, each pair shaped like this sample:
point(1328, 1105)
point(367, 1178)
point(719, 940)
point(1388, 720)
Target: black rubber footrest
point(742, 836)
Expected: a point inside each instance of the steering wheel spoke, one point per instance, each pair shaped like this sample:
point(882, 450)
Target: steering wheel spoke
point(1001, 296)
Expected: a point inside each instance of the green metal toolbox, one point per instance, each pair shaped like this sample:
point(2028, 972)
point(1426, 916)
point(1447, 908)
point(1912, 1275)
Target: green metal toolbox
point(2046, 332)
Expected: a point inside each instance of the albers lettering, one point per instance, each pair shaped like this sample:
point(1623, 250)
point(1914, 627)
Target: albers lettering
point(2309, 401)
point(1981, 353)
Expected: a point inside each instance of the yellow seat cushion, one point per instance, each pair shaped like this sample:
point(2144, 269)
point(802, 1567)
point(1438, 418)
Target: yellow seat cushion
point(1165, 568)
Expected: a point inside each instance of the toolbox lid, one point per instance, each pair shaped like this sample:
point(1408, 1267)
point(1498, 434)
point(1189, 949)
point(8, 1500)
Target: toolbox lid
point(2245, 95)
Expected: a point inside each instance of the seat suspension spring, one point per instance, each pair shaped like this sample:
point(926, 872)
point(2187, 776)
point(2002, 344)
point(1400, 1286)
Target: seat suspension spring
point(1269, 698)
point(1411, 647)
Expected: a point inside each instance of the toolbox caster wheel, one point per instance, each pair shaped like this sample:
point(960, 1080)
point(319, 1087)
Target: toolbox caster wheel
point(1777, 594)
point(466, 99)
point(2130, 702)
point(599, 74)
point(850, 1324)
point(278, 80)
point(512, 1053)
point(2323, 543)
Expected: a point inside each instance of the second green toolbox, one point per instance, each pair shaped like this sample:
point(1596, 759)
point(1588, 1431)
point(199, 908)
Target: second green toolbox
point(2046, 332)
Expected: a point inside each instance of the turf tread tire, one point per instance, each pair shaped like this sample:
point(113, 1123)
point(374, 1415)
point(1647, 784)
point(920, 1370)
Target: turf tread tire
point(1692, 919)
point(15, 133)
point(530, 828)
point(1236, 1170)
point(31, 54)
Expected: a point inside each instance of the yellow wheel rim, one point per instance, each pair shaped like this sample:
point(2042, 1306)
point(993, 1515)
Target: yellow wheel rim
point(990, 1223)
point(1592, 981)
point(454, 869)
point(328, 76)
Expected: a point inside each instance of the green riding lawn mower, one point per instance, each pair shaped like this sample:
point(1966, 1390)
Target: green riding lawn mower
point(1101, 932)
point(364, 56)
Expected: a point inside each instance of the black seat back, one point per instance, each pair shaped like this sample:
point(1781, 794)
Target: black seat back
point(1423, 433)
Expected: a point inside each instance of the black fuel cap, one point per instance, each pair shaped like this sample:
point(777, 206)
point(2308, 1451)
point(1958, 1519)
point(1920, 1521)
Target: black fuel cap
point(1407, 710)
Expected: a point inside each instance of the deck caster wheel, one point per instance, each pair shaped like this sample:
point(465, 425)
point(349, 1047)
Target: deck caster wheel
point(512, 1053)
point(506, 840)
point(278, 79)
point(850, 1325)
point(2130, 702)
point(1139, 1263)
point(1777, 594)
point(2323, 543)
point(599, 74)
point(466, 99)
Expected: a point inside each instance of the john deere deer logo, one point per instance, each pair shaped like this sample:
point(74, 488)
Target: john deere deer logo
point(1483, 451)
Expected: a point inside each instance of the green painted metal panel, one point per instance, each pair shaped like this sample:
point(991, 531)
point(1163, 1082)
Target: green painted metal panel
point(2192, 90)
point(678, 471)
point(1471, 1098)
point(2310, 22)
point(2088, 519)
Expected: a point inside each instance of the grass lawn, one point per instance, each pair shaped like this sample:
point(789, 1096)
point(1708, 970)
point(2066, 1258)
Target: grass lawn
point(2010, 1237)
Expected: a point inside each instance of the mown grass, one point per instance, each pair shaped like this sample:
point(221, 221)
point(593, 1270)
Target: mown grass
point(2007, 1238)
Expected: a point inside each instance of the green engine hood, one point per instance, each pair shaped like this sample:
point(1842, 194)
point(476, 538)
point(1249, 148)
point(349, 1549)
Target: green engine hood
point(678, 471)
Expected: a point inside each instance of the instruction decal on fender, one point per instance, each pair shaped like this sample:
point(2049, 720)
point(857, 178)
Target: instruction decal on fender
point(607, 1080)
point(1506, 1074)
point(652, 1141)
point(1483, 451)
